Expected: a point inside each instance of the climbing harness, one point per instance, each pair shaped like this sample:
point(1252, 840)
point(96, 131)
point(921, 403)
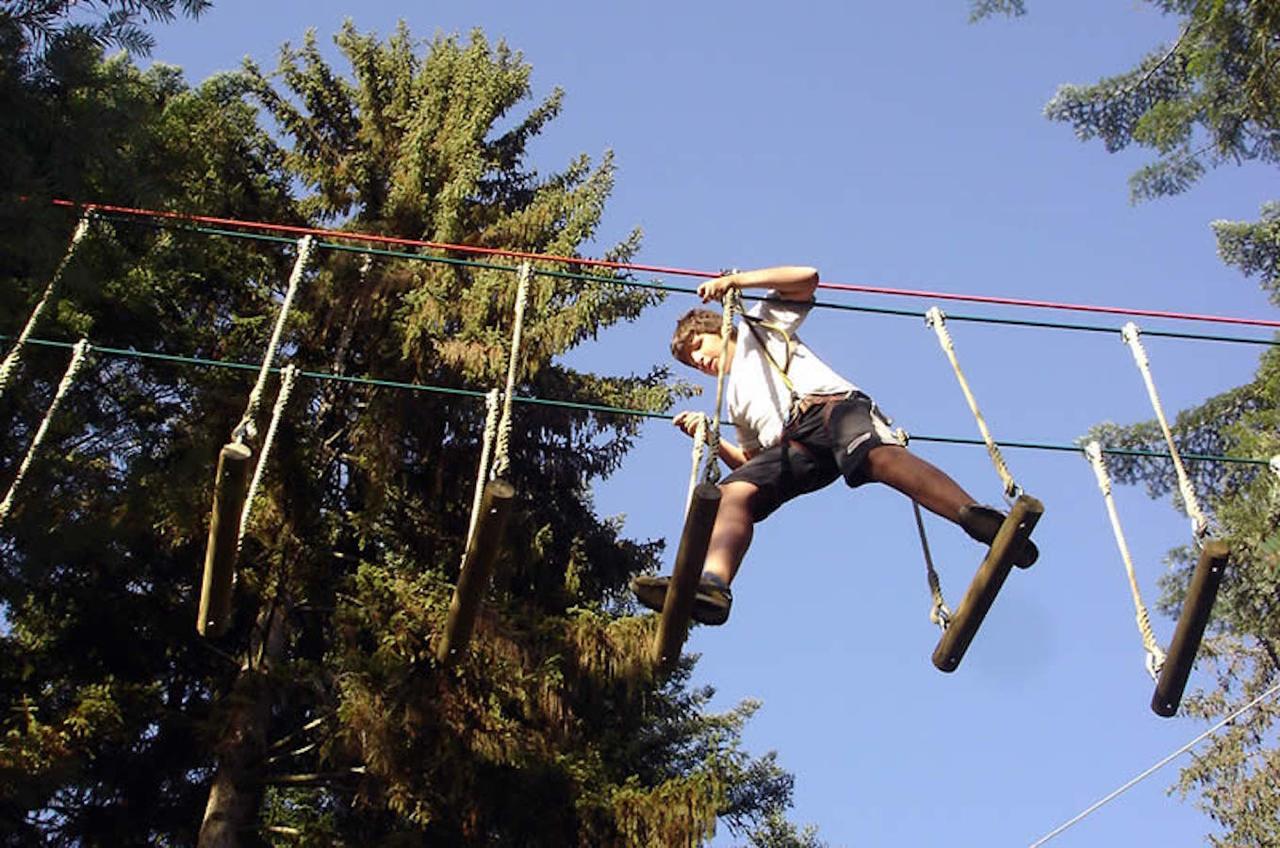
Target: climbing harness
point(1155, 654)
point(1199, 522)
point(78, 355)
point(15, 354)
point(937, 319)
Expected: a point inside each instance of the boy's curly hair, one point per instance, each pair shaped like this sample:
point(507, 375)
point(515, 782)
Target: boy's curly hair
point(693, 323)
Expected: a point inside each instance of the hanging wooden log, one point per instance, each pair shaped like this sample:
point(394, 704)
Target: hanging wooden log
point(673, 626)
point(986, 584)
point(1201, 594)
point(477, 566)
point(230, 488)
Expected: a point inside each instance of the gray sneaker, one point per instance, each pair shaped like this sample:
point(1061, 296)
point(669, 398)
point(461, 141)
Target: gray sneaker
point(710, 606)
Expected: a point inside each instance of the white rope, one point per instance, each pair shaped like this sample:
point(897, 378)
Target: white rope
point(490, 431)
point(1155, 654)
point(732, 305)
point(78, 355)
point(1199, 523)
point(939, 613)
point(247, 429)
point(287, 377)
point(1187, 747)
point(937, 319)
point(699, 448)
point(502, 462)
point(10, 363)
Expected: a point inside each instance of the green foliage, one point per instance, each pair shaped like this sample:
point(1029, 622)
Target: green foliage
point(556, 729)
point(1254, 248)
point(980, 9)
point(38, 28)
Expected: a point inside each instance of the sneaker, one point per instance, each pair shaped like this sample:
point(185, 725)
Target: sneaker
point(982, 523)
point(710, 606)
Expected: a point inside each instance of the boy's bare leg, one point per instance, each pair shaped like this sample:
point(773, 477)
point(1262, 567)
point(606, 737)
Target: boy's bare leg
point(733, 530)
point(921, 481)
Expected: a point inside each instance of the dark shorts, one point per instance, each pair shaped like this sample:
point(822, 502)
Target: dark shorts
point(828, 441)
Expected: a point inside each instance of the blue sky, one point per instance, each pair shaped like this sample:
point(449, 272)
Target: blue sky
point(893, 144)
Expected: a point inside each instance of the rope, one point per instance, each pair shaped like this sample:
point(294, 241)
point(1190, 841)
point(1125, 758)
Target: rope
point(939, 613)
point(657, 286)
point(1155, 654)
point(11, 360)
point(78, 355)
point(699, 450)
point(1141, 777)
point(502, 461)
point(1199, 523)
point(287, 378)
point(655, 269)
point(490, 432)
point(247, 429)
point(606, 409)
point(732, 305)
point(936, 319)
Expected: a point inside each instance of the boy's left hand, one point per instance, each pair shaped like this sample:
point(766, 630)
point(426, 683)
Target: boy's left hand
point(714, 289)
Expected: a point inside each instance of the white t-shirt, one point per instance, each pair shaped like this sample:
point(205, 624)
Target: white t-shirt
point(758, 398)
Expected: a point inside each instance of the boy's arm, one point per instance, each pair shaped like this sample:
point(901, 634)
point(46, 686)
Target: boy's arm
point(791, 282)
point(732, 455)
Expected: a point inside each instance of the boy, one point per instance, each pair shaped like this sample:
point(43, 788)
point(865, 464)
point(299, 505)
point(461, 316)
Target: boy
point(801, 425)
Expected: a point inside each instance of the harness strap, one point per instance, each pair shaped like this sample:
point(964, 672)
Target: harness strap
point(937, 319)
point(1155, 654)
point(939, 613)
point(752, 322)
point(1199, 521)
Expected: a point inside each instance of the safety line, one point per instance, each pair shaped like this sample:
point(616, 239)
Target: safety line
point(599, 408)
point(582, 277)
point(1187, 747)
point(655, 269)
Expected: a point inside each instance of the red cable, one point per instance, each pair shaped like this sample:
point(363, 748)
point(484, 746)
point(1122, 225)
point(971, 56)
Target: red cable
point(656, 269)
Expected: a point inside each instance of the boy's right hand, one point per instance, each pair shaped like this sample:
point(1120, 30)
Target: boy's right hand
point(688, 421)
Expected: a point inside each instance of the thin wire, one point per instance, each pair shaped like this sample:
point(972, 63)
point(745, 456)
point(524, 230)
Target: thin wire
point(659, 269)
point(657, 286)
point(602, 408)
point(1141, 777)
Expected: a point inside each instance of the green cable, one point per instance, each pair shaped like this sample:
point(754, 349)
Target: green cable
point(579, 276)
point(593, 407)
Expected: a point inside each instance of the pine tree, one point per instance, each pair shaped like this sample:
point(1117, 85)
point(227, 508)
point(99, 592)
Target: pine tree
point(1211, 98)
point(322, 716)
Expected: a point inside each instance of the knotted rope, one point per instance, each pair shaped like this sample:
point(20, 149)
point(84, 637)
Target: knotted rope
point(1155, 654)
point(78, 354)
point(11, 360)
point(1199, 522)
point(732, 306)
point(287, 378)
point(502, 460)
point(247, 429)
point(936, 319)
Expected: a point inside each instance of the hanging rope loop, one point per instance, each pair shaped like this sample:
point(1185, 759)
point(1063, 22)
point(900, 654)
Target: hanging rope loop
point(288, 376)
point(12, 359)
point(1199, 521)
point(247, 429)
point(1155, 656)
point(937, 319)
point(731, 308)
point(78, 354)
point(502, 459)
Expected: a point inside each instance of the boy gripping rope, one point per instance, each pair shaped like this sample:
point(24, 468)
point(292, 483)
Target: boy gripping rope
point(800, 426)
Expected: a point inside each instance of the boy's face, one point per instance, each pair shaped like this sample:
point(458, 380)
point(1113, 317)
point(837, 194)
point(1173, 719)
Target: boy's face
point(706, 351)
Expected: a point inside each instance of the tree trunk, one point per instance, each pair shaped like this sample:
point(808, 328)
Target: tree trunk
point(236, 792)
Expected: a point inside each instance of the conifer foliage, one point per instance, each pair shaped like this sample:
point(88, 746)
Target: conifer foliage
point(323, 717)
